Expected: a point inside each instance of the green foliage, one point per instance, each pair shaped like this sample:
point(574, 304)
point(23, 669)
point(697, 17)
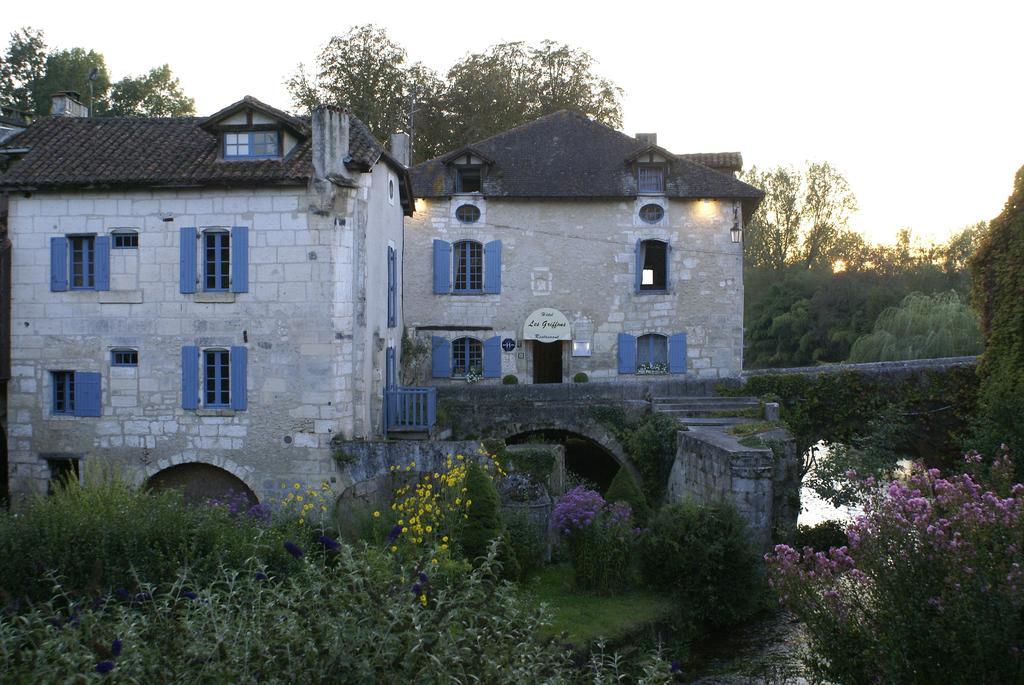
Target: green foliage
point(701, 555)
point(69, 70)
point(110, 535)
point(22, 67)
point(483, 94)
point(652, 447)
point(998, 278)
point(580, 378)
point(602, 556)
point(623, 488)
point(536, 462)
point(483, 522)
point(923, 416)
point(155, 94)
point(922, 327)
point(525, 540)
point(821, 536)
point(509, 379)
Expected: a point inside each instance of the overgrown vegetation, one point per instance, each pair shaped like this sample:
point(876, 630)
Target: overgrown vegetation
point(921, 327)
point(650, 443)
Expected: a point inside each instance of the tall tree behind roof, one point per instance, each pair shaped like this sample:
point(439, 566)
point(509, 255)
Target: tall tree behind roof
point(69, 70)
point(22, 67)
point(481, 95)
point(155, 94)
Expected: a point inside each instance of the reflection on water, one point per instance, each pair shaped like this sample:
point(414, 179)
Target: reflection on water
point(814, 509)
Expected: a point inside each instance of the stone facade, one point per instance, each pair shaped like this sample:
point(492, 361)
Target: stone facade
point(579, 257)
point(313, 322)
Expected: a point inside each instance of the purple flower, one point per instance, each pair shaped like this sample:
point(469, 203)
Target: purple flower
point(676, 667)
point(422, 576)
point(293, 549)
point(115, 647)
point(396, 530)
point(329, 542)
point(260, 575)
point(416, 588)
point(105, 667)
point(190, 594)
point(143, 597)
point(122, 594)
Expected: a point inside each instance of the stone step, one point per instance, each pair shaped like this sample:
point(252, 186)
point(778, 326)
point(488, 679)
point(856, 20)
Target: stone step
point(708, 399)
point(711, 412)
point(715, 422)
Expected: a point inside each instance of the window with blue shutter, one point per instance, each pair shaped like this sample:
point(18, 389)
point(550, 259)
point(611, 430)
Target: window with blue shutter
point(492, 357)
point(239, 378)
point(440, 357)
point(468, 267)
point(216, 378)
point(63, 392)
point(677, 353)
point(87, 394)
point(216, 261)
point(492, 267)
point(58, 264)
point(442, 267)
point(102, 262)
point(82, 249)
point(627, 353)
point(240, 259)
point(467, 356)
point(392, 288)
point(187, 240)
point(190, 377)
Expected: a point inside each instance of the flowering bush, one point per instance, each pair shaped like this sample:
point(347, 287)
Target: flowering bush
point(929, 588)
point(600, 537)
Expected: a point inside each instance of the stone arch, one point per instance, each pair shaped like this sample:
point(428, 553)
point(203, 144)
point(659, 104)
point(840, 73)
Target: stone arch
point(200, 481)
point(583, 428)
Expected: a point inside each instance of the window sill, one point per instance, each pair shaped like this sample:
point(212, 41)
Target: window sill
point(210, 411)
point(664, 291)
point(120, 297)
point(214, 297)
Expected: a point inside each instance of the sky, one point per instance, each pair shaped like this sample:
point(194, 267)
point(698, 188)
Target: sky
point(919, 105)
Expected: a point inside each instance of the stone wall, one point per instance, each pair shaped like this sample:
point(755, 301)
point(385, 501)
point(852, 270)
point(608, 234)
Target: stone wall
point(310, 320)
point(579, 257)
point(761, 483)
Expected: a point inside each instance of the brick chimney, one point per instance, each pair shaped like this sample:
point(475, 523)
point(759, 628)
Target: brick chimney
point(330, 142)
point(400, 147)
point(67, 103)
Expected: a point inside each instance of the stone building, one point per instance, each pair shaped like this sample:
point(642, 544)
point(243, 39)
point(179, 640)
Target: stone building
point(207, 301)
point(562, 247)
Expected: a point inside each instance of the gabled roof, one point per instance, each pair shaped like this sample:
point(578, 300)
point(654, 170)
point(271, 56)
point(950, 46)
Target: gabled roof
point(462, 151)
point(119, 152)
point(568, 155)
point(297, 125)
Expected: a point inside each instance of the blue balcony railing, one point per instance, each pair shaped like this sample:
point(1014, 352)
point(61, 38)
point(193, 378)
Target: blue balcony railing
point(410, 409)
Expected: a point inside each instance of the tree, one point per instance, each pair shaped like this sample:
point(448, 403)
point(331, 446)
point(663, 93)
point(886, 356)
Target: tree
point(483, 94)
point(803, 218)
point(69, 70)
point(363, 71)
point(22, 68)
point(156, 94)
point(922, 327)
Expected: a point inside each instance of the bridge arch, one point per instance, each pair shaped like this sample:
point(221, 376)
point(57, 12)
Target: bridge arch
point(200, 481)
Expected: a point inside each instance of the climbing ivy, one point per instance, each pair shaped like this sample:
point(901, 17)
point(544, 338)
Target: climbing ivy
point(997, 270)
point(650, 443)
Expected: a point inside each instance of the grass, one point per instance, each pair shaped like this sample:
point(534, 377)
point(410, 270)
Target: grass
point(587, 617)
point(745, 429)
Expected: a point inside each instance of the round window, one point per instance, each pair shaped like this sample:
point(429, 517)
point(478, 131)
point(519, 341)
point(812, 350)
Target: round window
point(391, 189)
point(652, 213)
point(468, 214)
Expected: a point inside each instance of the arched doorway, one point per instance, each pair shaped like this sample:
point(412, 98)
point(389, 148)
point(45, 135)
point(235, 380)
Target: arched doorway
point(200, 483)
point(584, 457)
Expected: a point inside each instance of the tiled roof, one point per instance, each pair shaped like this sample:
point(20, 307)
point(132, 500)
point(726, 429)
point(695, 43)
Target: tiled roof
point(732, 161)
point(567, 155)
point(69, 152)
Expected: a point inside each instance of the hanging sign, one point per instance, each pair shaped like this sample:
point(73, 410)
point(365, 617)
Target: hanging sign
point(547, 325)
point(508, 344)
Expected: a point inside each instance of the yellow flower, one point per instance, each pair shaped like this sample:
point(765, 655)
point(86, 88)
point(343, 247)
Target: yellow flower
point(433, 561)
point(405, 530)
point(444, 539)
point(298, 487)
point(423, 599)
point(394, 548)
point(443, 547)
point(376, 514)
point(302, 521)
point(458, 501)
point(468, 502)
point(323, 507)
point(430, 529)
point(298, 498)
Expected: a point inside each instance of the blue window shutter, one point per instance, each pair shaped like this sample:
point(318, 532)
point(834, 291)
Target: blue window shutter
point(187, 239)
point(392, 288)
point(492, 357)
point(627, 353)
point(240, 259)
point(189, 377)
point(102, 247)
point(58, 264)
point(677, 353)
point(668, 266)
point(239, 382)
point(389, 369)
point(492, 267)
point(639, 266)
point(87, 394)
point(441, 357)
point(442, 267)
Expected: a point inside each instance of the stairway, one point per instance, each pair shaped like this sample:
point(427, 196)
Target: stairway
point(711, 411)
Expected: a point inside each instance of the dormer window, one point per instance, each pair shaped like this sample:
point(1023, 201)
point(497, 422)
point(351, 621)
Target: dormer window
point(467, 180)
point(651, 178)
point(251, 145)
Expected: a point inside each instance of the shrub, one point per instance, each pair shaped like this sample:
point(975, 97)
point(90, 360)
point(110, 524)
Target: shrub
point(702, 554)
point(526, 539)
point(623, 488)
point(536, 462)
point(483, 522)
point(929, 589)
point(600, 538)
point(111, 535)
point(580, 378)
point(653, 449)
point(509, 379)
point(821, 536)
